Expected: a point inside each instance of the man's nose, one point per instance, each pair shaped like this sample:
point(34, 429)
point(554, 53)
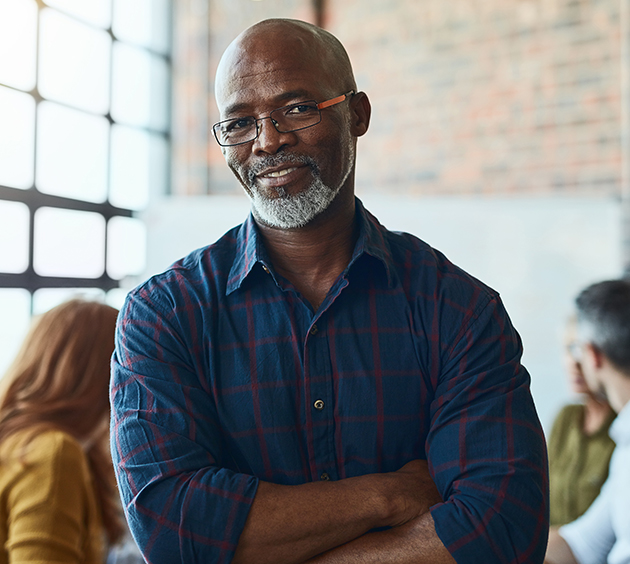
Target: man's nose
point(270, 140)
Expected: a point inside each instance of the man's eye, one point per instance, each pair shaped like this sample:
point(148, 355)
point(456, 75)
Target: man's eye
point(299, 109)
point(238, 124)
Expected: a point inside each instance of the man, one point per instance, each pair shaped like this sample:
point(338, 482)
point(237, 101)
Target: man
point(277, 395)
point(602, 534)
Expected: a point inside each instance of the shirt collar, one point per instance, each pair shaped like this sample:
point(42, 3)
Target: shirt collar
point(620, 429)
point(372, 241)
point(248, 242)
point(250, 249)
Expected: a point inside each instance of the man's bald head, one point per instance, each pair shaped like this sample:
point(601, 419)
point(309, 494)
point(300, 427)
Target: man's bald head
point(268, 41)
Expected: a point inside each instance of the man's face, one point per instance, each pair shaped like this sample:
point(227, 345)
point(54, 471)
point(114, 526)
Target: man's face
point(290, 177)
point(572, 360)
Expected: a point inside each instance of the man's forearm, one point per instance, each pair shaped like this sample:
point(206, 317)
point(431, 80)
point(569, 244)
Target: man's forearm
point(416, 542)
point(290, 524)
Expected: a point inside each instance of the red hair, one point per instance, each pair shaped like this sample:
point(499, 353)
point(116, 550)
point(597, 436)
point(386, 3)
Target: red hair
point(59, 380)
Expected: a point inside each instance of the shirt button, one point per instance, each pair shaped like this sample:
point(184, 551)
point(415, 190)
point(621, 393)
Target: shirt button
point(318, 405)
point(265, 269)
point(314, 330)
point(324, 477)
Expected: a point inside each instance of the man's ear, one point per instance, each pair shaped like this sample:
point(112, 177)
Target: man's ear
point(593, 355)
point(360, 111)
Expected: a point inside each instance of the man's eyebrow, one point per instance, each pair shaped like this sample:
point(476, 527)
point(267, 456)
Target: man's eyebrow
point(234, 108)
point(241, 107)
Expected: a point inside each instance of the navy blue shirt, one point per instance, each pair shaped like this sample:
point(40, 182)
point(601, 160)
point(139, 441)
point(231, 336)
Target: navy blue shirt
point(223, 375)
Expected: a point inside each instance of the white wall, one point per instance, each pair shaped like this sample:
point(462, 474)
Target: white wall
point(537, 252)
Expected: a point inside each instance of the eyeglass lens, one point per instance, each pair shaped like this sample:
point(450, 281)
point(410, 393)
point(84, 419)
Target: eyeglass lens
point(286, 119)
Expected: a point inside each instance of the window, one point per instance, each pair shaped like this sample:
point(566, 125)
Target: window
point(84, 140)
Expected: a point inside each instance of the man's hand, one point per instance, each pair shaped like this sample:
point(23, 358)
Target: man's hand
point(415, 542)
point(413, 492)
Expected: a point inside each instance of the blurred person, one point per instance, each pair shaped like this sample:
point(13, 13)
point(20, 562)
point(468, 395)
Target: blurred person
point(579, 444)
point(57, 492)
point(313, 385)
point(602, 534)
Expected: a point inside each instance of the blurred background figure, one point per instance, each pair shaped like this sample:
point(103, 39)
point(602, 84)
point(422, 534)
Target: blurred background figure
point(579, 445)
point(58, 499)
point(602, 534)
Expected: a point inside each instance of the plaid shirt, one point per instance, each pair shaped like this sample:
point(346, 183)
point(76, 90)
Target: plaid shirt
point(223, 375)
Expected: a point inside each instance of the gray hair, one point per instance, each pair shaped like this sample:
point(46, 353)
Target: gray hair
point(603, 316)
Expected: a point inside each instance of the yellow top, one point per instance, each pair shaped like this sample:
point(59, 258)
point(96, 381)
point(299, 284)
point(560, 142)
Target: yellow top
point(48, 508)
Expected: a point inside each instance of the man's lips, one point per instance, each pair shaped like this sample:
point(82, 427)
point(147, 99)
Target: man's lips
point(278, 173)
point(281, 175)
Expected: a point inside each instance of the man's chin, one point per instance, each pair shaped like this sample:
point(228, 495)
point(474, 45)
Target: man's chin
point(270, 194)
point(271, 216)
point(292, 211)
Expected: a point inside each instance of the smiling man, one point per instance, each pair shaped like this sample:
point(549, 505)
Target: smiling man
point(313, 387)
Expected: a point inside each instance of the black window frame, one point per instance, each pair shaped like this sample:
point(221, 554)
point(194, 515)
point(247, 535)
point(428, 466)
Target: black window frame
point(34, 199)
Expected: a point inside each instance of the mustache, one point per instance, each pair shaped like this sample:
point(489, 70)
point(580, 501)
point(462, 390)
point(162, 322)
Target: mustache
point(278, 160)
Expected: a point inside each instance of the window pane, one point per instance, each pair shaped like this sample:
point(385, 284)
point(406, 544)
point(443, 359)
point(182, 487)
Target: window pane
point(17, 138)
point(47, 298)
point(73, 62)
point(15, 305)
point(130, 162)
point(96, 12)
point(116, 297)
point(140, 88)
point(126, 247)
point(158, 165)
point(18, 43)
point(69, 243)
point(72, 149)
point(14, 222)
point(143, 22)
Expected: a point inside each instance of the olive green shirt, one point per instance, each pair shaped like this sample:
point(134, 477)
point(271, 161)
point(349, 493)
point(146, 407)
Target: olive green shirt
point(578, 464)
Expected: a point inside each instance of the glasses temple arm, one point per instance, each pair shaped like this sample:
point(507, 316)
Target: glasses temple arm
point(336, 100)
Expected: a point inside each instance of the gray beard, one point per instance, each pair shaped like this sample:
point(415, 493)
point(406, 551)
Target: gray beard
point(291, 211)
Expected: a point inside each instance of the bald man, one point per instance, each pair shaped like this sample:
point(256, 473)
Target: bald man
point(313, 387)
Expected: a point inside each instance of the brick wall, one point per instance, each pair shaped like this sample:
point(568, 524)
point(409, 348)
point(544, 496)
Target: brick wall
point(487, 96)
point(469, 96)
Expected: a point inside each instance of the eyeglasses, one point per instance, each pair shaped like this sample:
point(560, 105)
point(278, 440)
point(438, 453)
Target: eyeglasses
point(295, 117)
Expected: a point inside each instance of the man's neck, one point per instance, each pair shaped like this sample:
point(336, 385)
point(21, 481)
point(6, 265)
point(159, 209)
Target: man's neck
point(312, 257)
point(617, 388)
point(596, 412)
point(623, 396)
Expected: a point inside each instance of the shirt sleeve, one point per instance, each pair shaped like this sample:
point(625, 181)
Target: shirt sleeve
point(486, 448)
point(47, 504)
point(591, 537)
point(181, 501)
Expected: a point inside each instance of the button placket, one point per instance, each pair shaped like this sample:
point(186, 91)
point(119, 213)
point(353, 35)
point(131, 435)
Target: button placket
point(320, 382)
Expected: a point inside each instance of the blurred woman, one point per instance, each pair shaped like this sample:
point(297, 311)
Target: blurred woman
point(57, 496)
point(579, 445)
